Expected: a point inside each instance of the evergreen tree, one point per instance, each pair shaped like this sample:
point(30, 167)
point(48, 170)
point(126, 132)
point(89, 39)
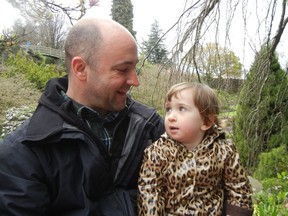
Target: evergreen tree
point(154, 47)
point(122, 12)
point(261, 123)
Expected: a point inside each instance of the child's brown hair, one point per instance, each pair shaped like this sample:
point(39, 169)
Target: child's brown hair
point(204, 98)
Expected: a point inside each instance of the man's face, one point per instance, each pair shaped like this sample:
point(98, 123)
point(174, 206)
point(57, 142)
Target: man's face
point(109, 82)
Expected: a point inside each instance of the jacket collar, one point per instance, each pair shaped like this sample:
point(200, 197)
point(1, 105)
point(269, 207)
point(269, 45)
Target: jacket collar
point(53, 113)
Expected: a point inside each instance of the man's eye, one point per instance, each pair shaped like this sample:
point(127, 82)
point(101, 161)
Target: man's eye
point(122, 70)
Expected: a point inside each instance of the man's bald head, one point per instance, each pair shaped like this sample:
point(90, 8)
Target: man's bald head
point(87, 37)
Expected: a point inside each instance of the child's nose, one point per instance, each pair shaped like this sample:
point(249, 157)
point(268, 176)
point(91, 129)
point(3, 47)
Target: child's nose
point(171, 116)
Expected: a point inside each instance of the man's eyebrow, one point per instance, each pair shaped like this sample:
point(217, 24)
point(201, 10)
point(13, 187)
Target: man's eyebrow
point(124, 63)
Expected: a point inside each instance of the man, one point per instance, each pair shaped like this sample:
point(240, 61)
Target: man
point(82, 149)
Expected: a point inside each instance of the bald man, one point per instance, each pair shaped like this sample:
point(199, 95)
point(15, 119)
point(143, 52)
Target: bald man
point(81, 151)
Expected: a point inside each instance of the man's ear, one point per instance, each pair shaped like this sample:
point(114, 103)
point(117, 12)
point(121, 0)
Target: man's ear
point(79, 68)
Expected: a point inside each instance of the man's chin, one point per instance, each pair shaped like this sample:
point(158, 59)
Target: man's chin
point(120, 106)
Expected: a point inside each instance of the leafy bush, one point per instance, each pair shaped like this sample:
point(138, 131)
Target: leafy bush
point(271, 163)
point(276, 184)
point(273, 199)
point(266, 205)
point(38, 74)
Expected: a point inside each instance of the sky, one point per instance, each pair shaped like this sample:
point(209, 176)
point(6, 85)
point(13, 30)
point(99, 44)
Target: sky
point(145, 12)
point(166, 12)
point(7, 14)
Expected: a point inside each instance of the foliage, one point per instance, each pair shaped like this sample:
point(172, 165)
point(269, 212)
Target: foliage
point(154, 47)
point(274, 185)
point(274, 199)
point(38, 74)
point(266, 204)
point(9, 41)
point(216, 61)
point(36, 56)
point(122, 12)
point(270, 163)
point(261, 123)
point(59, 63)
point(6, 40)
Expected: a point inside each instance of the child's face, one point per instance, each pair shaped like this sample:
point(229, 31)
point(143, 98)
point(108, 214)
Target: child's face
point(183, 121)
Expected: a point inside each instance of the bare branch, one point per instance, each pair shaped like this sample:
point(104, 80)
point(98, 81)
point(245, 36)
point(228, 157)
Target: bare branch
point(282, 24)
point(39, 8)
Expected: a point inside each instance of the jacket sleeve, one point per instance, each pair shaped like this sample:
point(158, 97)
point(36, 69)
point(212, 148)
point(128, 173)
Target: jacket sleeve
point(21, 189)
point(150, 201)
point(237, 186)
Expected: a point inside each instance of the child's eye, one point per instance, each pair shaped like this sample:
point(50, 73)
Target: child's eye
point(182, 109)
point(168, 109)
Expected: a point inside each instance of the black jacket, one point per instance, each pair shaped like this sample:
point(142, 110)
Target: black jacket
point(54, 165)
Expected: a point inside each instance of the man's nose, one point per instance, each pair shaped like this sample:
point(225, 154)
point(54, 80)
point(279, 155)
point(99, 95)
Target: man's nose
point(133, 79)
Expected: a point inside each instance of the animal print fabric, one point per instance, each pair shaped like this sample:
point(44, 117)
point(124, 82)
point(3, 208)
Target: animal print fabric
point(177, 181)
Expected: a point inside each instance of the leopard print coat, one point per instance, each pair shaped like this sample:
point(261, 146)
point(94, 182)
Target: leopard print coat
point(177, 181)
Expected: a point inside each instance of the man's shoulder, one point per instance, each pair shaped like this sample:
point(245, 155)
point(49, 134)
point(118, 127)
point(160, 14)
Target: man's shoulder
point(142, 109)
point(15, 138)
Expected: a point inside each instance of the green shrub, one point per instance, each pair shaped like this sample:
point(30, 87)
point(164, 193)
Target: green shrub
point(261, 122)
point(271, 163)
point(38, 74)
point(266, 204)
point(274, 185)
point(271, 201)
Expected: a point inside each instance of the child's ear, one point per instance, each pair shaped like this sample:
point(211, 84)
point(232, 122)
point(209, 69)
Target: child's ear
point(207, 125)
